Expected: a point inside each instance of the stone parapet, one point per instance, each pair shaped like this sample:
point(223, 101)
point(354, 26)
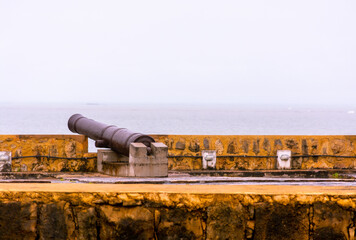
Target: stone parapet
point(187, 149)
point(190, 146)
point(112, 211)
point(49, 153)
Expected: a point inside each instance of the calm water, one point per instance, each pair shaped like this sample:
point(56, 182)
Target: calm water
point(183, 119)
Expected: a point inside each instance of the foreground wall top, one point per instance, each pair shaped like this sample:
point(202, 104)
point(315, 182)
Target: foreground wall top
point(119, 211)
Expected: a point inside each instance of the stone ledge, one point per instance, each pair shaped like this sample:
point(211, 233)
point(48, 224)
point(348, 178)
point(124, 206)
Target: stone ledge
point(182, 189)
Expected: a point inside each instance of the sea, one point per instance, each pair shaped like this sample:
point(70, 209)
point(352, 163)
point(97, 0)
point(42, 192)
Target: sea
point(198, 119)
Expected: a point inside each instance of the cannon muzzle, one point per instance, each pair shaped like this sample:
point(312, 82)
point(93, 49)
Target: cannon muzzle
point(118, 139)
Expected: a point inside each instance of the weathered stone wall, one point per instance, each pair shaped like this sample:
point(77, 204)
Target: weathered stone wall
point(76, 146)
point(163, 214)
point(66, 146)
point(192, 145)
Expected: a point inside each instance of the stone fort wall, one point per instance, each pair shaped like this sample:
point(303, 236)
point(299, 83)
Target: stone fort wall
point(70, 152)
point(117, 211)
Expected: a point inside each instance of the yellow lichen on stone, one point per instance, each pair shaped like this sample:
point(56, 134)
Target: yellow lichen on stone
point(43, 147)
point(87, 211)
point(282, 199)
point(186, 148)
point(192, 145)
point(346, 203)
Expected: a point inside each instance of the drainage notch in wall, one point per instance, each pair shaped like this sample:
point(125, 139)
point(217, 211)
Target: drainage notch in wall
point(209, 159)
point(284, 158)
point(5, 161)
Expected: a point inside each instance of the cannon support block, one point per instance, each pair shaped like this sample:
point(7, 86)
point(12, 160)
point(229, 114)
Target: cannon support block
point(138, 164)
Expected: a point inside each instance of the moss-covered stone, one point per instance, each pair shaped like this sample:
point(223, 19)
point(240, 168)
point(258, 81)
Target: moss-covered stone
point(278, 222)
point(18, 220)
point(330, 221)
point(99, 211)
point(52, 222)
point(125, 223)
point(226, 220)
point(179, 223)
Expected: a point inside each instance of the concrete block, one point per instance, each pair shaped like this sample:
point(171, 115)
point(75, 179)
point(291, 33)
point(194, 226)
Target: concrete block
point(139, 170)
point(138, 164)
point(109, 162)
point(159, 170)
point(159, 150)
point(143, 165)
point(116, 169)
point(138, 150)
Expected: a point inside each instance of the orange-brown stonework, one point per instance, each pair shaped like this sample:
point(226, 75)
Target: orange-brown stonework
point(192, 145)
point(131, 211)
point(66, 146)
point(184, 147)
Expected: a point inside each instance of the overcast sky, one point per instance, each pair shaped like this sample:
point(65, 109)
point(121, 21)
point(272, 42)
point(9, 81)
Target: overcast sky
point(274, 51)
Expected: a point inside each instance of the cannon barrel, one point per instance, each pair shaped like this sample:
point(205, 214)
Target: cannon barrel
point(118, 139)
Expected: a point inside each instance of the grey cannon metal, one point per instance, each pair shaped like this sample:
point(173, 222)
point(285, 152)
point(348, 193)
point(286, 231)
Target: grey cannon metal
point(118, 139)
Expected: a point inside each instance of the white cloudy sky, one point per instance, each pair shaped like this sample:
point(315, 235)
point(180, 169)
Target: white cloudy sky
point(297, 51)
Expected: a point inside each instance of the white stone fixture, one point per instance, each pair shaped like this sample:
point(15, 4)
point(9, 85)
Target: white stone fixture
point(208, 159)
point(284, 159)
point(5, 161)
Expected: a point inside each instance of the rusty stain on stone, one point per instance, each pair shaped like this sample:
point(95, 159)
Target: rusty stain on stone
point(70, 149)
point(278, 144)
point(256, 146)
point(232, 148)
point(337, 146)
point(305, 147)
point(219, 147)
point(194, 146)
point(266, 145)
point(245, 146)
point(206, 143)
point(293, 145)
point(169, 143)
point(180, 145)
point(314, 146)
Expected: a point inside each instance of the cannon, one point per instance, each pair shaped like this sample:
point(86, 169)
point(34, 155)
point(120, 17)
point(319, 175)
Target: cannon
point(109, 136)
